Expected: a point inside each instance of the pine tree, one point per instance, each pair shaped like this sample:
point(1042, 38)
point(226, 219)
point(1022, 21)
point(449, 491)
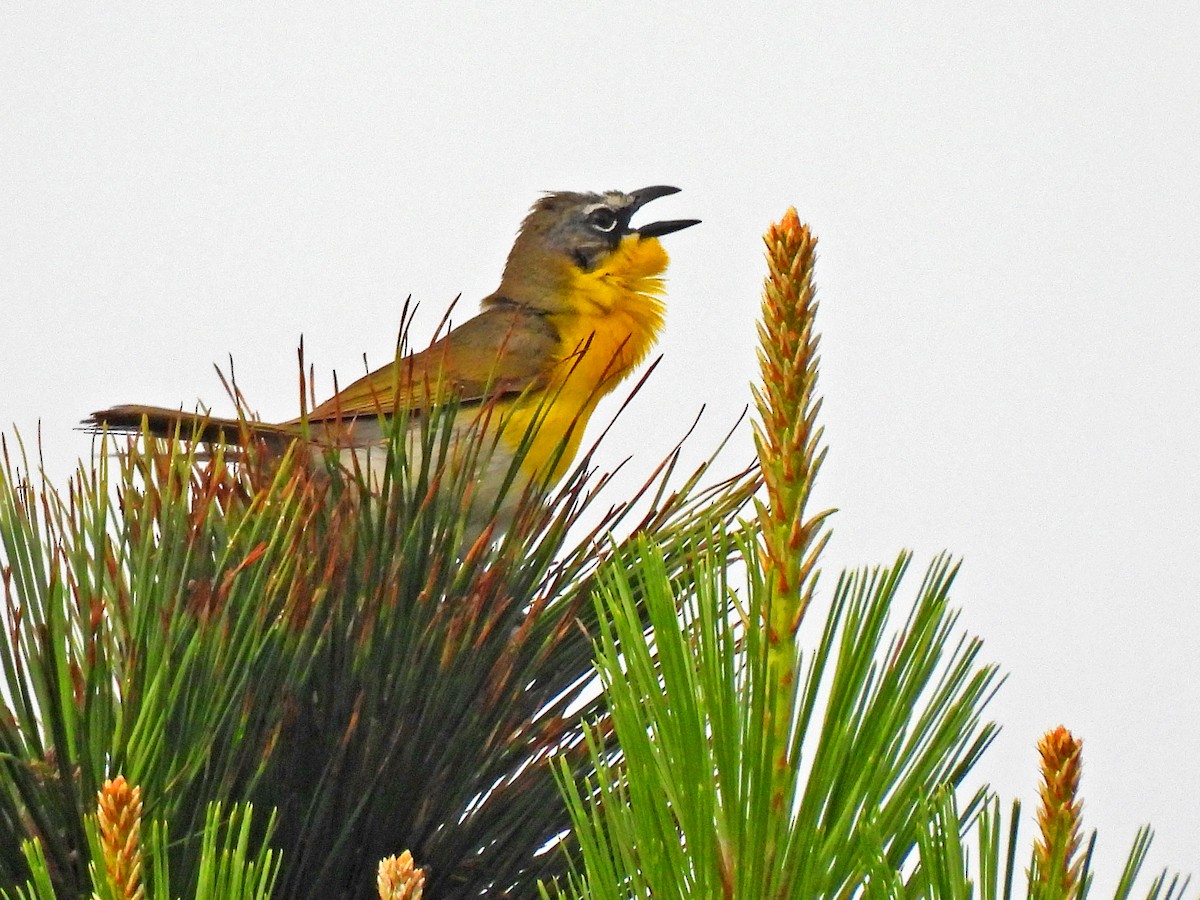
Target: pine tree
point(231, 677)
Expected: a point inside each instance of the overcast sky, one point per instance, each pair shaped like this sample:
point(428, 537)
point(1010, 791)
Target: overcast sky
point(1008, 206)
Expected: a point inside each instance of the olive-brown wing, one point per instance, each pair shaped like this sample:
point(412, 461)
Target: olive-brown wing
point(499, 352)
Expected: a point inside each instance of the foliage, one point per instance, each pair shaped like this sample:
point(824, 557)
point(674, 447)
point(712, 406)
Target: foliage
point(190, 633)
point(751, 766)
point(229, 867)
point(270, 631)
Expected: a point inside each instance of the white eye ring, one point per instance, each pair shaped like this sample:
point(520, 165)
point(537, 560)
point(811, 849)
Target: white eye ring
point(602, 218)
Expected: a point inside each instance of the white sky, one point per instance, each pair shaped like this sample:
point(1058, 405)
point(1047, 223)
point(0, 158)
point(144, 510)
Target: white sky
point(1009, 212)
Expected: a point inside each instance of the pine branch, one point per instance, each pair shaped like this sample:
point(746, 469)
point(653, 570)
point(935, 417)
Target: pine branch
point(788, 441)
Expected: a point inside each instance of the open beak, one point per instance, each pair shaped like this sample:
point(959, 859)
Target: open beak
point(657, 229)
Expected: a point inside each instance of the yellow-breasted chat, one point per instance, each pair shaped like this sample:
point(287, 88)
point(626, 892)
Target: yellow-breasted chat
point(579, 306)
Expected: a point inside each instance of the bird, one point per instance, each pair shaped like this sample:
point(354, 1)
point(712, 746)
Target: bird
point(579, 306)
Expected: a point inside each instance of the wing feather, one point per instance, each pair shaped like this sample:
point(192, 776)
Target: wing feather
point(504, 350)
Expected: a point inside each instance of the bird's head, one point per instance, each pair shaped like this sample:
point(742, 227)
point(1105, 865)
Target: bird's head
point(567, 233)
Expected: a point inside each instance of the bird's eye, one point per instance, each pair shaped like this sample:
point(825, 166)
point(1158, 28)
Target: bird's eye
point(602, 219)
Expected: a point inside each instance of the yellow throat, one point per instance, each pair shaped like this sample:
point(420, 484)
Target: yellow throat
point(608, 320)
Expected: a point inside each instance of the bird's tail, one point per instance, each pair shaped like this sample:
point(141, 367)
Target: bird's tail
point(179, 425)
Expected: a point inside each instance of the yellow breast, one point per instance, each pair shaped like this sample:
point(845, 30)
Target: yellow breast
point(611, 319)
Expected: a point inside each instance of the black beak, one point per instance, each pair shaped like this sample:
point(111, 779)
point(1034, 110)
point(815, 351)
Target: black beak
point(657, 229)
point(645, 195)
